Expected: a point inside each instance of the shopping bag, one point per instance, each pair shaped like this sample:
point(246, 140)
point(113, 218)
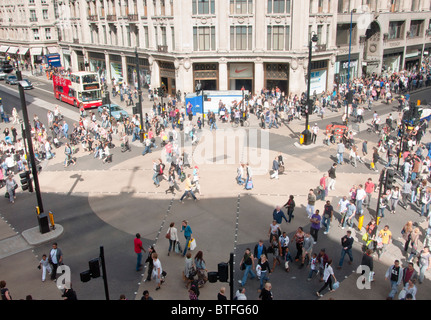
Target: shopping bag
point(365, 237)
point(336, 285)
point(258, 270)
point(178, 247)
point(192, 244)
point(372, 165)
point(249, 185)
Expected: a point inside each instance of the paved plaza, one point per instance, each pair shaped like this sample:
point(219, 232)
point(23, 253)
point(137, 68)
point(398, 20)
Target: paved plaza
point(98, 204)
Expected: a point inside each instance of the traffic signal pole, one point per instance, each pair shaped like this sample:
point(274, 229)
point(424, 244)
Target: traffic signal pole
point(29, 142)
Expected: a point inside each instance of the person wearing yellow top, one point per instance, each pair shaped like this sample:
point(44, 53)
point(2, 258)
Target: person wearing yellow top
point(385, 235)
point(188, 188)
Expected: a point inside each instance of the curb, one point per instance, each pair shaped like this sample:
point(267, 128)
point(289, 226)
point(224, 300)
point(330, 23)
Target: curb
point(34, 237)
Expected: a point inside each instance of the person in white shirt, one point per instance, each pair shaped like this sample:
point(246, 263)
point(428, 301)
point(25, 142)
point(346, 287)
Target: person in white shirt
point(172, 233)
point(360, 197)
point(45, 266)
point(342, 206)
point(314, 130)
point(157, 270)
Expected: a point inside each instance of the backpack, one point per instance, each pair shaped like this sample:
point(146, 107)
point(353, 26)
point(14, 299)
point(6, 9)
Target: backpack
point(194, 287)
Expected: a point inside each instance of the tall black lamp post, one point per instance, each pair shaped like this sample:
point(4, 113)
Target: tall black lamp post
point(307, 133)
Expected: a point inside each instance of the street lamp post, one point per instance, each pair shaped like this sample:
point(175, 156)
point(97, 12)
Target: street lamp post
point(27, 131)
point(306, 133)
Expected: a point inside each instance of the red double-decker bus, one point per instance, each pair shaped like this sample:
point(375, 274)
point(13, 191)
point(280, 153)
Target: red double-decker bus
point(78, 88)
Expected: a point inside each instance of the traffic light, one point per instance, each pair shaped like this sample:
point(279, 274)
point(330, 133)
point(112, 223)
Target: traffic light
point(94, 268)
point(135, 108)
point(303, 109)
point(390, 179)
point(7, 67)
point(26, 183)
point(85, 276)
point(223, 271)
point(160, 91)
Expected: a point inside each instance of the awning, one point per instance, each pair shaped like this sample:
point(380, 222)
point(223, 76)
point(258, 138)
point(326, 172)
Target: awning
point(36, 51)
point(52, 49)
point(22, 50)
point(4, 48)
point(12, 50)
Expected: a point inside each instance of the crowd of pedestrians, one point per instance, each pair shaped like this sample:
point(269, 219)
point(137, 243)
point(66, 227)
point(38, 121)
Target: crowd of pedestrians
point(271, 107)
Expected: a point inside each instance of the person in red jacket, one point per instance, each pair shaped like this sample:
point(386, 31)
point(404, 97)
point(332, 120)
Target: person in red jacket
point(369, 187)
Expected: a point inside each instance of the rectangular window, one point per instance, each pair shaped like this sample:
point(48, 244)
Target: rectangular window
point(48, 33)
point(276, 37)
point(395, 29)
point(173, 38)
point(164, 40)
point(129, 37)
point(241, 38)
point(45, 14)
point(203, 6)
point(203, 38)
point(33, 17)
point(147, 37)
point(156, 36)
point(416, 28)
point(319, 34)
point(343, 34)
point(36, 34)
point(279, 6)
point(241, 6)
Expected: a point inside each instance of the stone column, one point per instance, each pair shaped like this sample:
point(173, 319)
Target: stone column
point(108, 68)
point(259, 75)
point(124, 67)
point(74, 60)
point(223, 74)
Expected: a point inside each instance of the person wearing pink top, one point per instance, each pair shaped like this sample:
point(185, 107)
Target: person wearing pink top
point(369, 187)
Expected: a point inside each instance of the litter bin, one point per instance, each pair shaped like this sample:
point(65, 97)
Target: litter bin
point(42, 219)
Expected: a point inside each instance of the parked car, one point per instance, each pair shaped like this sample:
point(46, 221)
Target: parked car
point(3, 75)
point(11, 79)
point(26, 84)
point(116, 111)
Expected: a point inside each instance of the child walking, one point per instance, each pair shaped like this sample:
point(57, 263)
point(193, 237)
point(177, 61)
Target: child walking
point(44, 264)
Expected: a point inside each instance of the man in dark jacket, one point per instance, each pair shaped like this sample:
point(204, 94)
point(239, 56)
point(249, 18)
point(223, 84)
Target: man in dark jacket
point(259, 249)
point(278, 215)
point(346, 243)
point(151, 250)
point(55, 259)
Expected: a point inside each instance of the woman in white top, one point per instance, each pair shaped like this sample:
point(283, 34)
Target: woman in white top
point(328, 274)
point(172, 235)
point(157, 270)
point(395, 196)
